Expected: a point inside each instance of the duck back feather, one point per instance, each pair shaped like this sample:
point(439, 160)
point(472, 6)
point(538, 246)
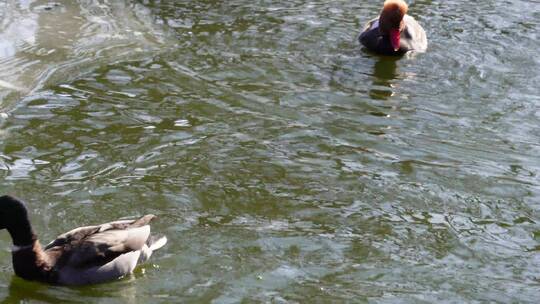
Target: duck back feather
point(95, 254)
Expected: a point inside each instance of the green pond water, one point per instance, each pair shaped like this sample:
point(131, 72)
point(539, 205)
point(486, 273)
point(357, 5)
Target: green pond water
point(285, 163)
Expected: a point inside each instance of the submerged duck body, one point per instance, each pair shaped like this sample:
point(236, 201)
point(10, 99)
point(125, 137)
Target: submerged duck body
point(85, 255)
point(394, 32)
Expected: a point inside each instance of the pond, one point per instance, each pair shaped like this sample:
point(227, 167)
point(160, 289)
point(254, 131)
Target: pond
point(284, 162)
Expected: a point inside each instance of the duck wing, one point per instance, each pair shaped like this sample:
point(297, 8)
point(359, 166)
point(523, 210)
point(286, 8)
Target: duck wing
point(371, 25)
point(97, 245)
point(373, 40)
point(415, 37)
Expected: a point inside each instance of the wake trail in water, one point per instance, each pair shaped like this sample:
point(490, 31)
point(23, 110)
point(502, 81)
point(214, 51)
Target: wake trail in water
point(43, 43)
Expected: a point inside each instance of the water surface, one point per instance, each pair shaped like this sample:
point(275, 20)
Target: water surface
point(285, 163)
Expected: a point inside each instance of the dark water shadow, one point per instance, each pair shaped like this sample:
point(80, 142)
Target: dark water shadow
point(22, 291)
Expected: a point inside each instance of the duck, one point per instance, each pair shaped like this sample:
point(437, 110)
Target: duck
point(82, 256)
point(394, 32)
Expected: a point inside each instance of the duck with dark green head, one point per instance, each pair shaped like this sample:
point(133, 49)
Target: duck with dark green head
point(85, 255)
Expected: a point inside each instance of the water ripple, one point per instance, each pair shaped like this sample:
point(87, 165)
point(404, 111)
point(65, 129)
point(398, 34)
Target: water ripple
point(285, 163)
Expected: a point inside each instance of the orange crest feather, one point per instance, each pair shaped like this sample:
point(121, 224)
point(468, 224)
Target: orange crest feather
point(396, 5)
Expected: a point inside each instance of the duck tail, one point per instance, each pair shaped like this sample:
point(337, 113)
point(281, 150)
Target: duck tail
point(157, 242)
point(153, 243)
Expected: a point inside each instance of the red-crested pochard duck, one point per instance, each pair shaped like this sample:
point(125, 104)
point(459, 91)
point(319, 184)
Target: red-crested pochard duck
point(85, 255)
point(394, 32)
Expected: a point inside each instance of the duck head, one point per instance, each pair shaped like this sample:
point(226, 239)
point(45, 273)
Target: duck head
point(391, 20)
point(14, 218)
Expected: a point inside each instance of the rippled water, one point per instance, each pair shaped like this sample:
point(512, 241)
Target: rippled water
point(285, 163)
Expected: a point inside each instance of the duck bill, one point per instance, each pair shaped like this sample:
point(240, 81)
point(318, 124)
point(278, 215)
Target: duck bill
point(394, 38)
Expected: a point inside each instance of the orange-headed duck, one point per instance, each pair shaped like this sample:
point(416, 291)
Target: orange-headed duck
point(394, 32)
point(85, 255)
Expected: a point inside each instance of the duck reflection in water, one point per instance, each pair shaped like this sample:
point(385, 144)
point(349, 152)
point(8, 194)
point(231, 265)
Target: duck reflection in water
point(27, 291)
point(23, 291)
point(384, 73)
